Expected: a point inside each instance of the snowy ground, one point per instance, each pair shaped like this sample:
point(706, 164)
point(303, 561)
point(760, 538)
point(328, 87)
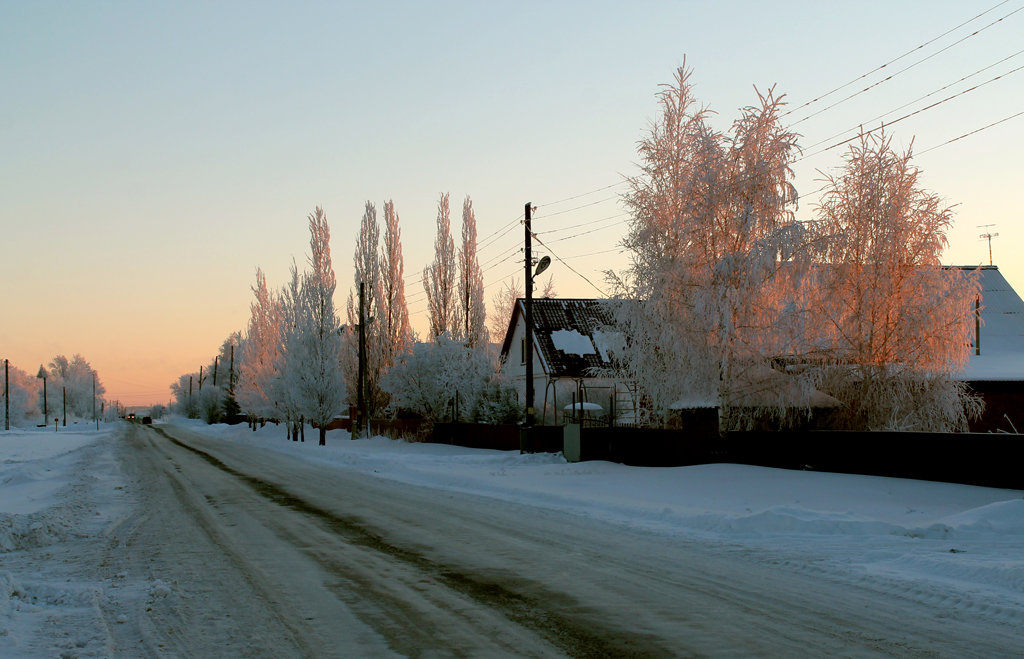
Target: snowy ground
point(964, 537)
point(924, 541)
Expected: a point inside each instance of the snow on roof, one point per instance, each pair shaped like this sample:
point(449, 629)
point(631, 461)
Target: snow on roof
point(1002, 331)
point(566, 332)
point(571, 342)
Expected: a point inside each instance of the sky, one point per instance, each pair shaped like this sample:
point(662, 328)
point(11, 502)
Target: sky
point(153, 155)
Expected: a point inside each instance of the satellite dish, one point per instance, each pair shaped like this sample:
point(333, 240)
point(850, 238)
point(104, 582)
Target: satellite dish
point(542, 265)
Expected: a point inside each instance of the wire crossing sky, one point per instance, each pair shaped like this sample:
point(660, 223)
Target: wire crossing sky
point(154, 154)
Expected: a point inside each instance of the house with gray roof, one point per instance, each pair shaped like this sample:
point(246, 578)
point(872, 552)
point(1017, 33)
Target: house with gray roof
point(572, 345)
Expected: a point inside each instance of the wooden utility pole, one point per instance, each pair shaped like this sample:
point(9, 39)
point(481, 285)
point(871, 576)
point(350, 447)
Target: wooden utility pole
point(360, 399)
point(216, 367)
point(64, 403)
point(528, 320)
point(94, 417)
point(231, 373)
point(7, 396)
point(200, 378)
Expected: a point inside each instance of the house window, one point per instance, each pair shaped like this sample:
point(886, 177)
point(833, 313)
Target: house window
point(522, 351)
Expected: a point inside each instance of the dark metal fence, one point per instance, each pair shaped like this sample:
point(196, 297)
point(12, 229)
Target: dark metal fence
point(988, 459)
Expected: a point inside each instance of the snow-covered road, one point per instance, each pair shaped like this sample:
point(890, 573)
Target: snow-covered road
point(171, 542)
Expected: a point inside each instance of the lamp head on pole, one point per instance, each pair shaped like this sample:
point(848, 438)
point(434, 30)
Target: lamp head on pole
point(542, 265)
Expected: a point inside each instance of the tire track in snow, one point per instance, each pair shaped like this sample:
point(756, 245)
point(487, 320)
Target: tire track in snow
point(536, 613)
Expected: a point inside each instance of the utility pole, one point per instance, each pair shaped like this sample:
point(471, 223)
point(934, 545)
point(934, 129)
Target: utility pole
point(200, 377)
point(360, 399)
point(64, 397)
point(525, 443)
point(7, 396)
point(189, 410)
point(231, 373)
point(215, 369)
point(94, 417)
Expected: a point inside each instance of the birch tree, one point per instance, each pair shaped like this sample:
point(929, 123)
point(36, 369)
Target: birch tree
point(472, 315)
point(712, 218)
point(439, 277)
point(897, 324)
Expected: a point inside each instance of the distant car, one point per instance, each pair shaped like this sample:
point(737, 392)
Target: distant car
point(130, 417)
point(147, 420)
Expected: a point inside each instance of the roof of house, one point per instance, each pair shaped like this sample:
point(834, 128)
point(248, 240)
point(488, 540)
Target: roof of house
point(1002, 331)
point(567, 334)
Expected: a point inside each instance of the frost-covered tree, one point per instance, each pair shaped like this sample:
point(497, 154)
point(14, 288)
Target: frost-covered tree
point(394, 314)
point(313, 349)
point(471, 314)
point(290, 355)
point(217, 401)
point(76, 378)
point(896, 324)
point(25, 397)
point(712, 220)
point(439, 276)
point(186, 395)
point(259, 356)
point(425, 381)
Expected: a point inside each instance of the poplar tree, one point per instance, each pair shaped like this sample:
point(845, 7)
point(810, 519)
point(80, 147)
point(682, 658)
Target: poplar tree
point(472, 315)
point(367, 270)
point(439, 277)
point(394, 311)
point(315, 346)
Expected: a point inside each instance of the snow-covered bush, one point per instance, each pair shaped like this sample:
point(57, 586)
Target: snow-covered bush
point(210, 403)
point(426, 380)
point(498, 403)
point(891, 398)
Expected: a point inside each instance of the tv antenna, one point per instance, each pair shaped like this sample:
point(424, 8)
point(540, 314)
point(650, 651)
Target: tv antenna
point(988, 235)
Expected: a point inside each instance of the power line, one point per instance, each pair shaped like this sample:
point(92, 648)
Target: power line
point(576, 208)
point(907, 116)
point(585, 194)
point(928, 95)
point(893, 61)
point(584, 233)
point(584, 224)
point(576, 272)
point(977, 130)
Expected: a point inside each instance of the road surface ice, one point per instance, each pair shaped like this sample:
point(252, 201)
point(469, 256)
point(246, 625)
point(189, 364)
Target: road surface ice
point(193, 540)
